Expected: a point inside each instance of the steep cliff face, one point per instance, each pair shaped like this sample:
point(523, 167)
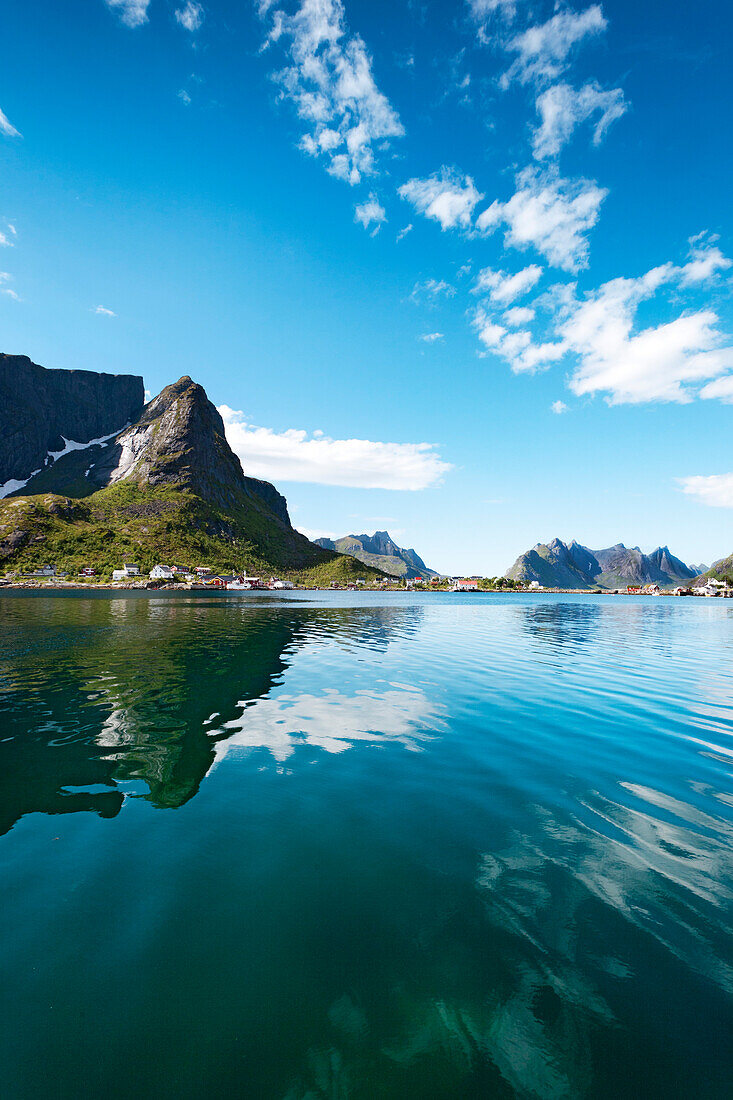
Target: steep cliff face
point(569, 565)
point(41, 409)
point(179, 439)
point(380, 551)
point(168, 488)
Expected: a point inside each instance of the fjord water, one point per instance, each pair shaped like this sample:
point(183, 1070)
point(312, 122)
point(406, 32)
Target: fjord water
point(366, 846)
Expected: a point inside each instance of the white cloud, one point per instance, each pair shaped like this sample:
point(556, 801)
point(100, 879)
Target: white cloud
point(562, 108)
point(294, 455)
point(5, 241)
point(659, 363)
point(715, 490)
point(330, 82)
point(706, 260)
point(665, 362)
point(558, 407)
point(6, 126)
point(552, 214)
point(483, 13)
point(446, 196)
point(430, 289)
point(721, 388)
point(484, 9)
point(403, 232)
point(518, 348)
point(543, 50)
point(504, 288)
point(104, 311)
point(518, 315)
point(184, 96)
point(432, 337)
point(190, 16)
point(8, 291)
point(133, 13)
point(369, 213)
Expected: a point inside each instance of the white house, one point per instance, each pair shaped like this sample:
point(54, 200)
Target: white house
point(162, 573)
point(275, 582)
point(44, 571)
point(464, 584)
point(128, 570)
point(713, 587)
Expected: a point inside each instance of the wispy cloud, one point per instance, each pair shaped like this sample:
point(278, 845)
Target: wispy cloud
point(484, 11)
point(543, 50)
point(558, 407)
point(6, 238)
point(431, 289)
point(551, 214)
point(190, 16)
point(296, 455)
point(403, 232)
point(104, 311)
point(432, 337)
point(370, 213)
point(7, 290)
point(715, 490)
point(503, 288)
point(6, 126)
point(330, 82)
point(562, 109)
point(133, 13)
point(447, 197)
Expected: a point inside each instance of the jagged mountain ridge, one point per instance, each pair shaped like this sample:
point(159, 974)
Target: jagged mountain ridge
point(570, 565)
point(40, 409)
point(169, 487)
point(381, 551)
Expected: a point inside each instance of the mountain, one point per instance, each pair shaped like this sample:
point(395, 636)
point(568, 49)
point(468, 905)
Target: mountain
point(569, 565)
point(382, 552)
point(42, 410)
point(720, 570)
point(166, 488)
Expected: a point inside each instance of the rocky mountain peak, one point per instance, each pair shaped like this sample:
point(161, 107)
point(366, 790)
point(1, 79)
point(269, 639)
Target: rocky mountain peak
point(179, 439)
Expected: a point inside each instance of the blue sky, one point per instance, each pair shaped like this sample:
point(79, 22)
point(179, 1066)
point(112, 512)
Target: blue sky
point(459, 270)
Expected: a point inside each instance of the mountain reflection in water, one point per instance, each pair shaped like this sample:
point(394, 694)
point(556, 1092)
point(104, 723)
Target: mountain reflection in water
point(107, 692)
point(440, 846)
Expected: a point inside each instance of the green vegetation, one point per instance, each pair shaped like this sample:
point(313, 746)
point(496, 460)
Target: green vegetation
point(147, 525)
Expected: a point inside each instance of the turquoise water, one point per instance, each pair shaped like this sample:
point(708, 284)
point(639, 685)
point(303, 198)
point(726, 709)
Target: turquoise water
point(366, 846)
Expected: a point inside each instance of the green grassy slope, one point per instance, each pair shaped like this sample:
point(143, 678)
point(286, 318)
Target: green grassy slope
point(126, 522)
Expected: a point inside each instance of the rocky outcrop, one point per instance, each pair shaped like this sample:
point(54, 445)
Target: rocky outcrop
point(569, 565)
point(41, 409)
point(381, 551)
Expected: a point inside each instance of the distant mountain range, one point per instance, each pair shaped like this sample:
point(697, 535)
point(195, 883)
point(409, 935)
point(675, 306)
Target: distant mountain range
point(569, 565)
point(382, 552)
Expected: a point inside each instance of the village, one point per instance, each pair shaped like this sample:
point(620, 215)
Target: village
point(203, 578)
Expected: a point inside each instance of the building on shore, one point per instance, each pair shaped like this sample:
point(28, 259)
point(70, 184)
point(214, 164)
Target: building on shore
point(129, 569)
point(162, 573)
point(464, 584)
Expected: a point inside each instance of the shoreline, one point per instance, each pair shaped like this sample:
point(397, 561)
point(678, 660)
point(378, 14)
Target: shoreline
point(169, 592)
